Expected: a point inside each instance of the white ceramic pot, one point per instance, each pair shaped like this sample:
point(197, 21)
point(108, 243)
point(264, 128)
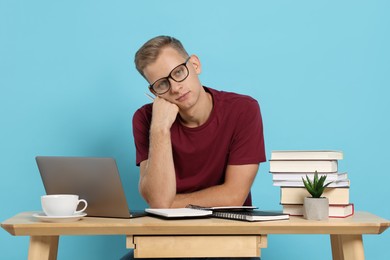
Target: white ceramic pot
point(316, 208)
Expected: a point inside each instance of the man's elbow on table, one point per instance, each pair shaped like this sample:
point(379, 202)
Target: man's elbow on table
point(235, 197)
point(157, 200)
point(159, 204)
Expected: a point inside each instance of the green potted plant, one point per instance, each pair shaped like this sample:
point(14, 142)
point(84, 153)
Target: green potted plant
point(316, 207)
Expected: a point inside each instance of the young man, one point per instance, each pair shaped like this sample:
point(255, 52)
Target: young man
point(194, 144)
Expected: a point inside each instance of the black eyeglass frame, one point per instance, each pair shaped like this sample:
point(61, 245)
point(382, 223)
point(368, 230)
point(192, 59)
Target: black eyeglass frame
point(170, 77)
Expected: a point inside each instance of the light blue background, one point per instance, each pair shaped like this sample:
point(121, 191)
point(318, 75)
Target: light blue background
point(320, 70)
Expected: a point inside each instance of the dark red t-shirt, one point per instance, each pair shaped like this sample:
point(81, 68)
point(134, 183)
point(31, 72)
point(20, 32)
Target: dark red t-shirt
point(233, 135)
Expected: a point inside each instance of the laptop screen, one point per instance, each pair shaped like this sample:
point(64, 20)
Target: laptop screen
point(94, 179)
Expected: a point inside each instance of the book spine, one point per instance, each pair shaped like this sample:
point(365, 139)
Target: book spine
point(303, 166)
point(297, 210)
point(335, 184)
point(296, 195)
point(307, 155)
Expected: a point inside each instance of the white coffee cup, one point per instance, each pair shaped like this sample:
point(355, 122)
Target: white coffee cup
point(62, 204)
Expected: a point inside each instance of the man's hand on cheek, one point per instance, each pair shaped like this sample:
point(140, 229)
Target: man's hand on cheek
point(164, 114)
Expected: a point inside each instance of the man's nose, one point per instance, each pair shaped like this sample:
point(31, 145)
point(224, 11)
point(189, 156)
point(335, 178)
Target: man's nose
point(175, 86)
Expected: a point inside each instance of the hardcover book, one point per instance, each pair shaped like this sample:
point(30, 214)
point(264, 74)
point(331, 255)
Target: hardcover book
point(335, 211)
point(306, 155)
point(334, 184)
point(298, 176)
point(296, 195)
point(302, 166)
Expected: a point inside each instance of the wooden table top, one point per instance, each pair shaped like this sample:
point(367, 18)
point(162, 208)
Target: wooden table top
point(25, 224)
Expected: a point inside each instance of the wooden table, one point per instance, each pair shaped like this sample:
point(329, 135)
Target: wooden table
point(154, 237)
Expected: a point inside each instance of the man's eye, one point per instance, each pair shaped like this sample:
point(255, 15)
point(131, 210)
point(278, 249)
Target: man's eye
point(163, 84)
point(179, 72)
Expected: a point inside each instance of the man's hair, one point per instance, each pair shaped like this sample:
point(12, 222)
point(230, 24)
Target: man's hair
point(150, 51)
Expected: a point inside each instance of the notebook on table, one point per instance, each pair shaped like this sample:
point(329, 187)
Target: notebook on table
point(179, 212)
point(253, 215)
point(247, 213)
point(94, 179)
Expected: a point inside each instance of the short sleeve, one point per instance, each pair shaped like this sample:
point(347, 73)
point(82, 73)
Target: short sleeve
point(141, 126)
point(247, 146)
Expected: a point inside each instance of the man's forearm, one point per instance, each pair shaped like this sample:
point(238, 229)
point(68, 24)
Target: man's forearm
point(158, 181)
point(233, 192)
point(220, 195)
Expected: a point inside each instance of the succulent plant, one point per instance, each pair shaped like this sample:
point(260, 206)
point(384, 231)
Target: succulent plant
point(317, 186)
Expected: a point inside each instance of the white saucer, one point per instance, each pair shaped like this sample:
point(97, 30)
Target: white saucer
point(58, 219)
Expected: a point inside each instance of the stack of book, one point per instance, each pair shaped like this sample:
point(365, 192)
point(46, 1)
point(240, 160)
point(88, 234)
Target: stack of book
point(289, 167)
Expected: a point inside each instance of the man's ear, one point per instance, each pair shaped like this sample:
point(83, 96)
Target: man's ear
point(194, 60)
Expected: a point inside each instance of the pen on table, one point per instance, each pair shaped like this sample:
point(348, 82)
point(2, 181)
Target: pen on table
point(149, 96)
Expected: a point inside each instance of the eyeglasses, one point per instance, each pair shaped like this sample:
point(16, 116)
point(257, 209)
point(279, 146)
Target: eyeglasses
point(178, 74)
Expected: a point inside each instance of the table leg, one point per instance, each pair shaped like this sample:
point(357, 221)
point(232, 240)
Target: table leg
point(347, 247)
point(43, 247)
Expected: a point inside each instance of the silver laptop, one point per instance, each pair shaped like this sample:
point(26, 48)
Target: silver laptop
point(96, 180)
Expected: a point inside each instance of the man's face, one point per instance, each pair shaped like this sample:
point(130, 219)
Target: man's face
point(184, 93)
